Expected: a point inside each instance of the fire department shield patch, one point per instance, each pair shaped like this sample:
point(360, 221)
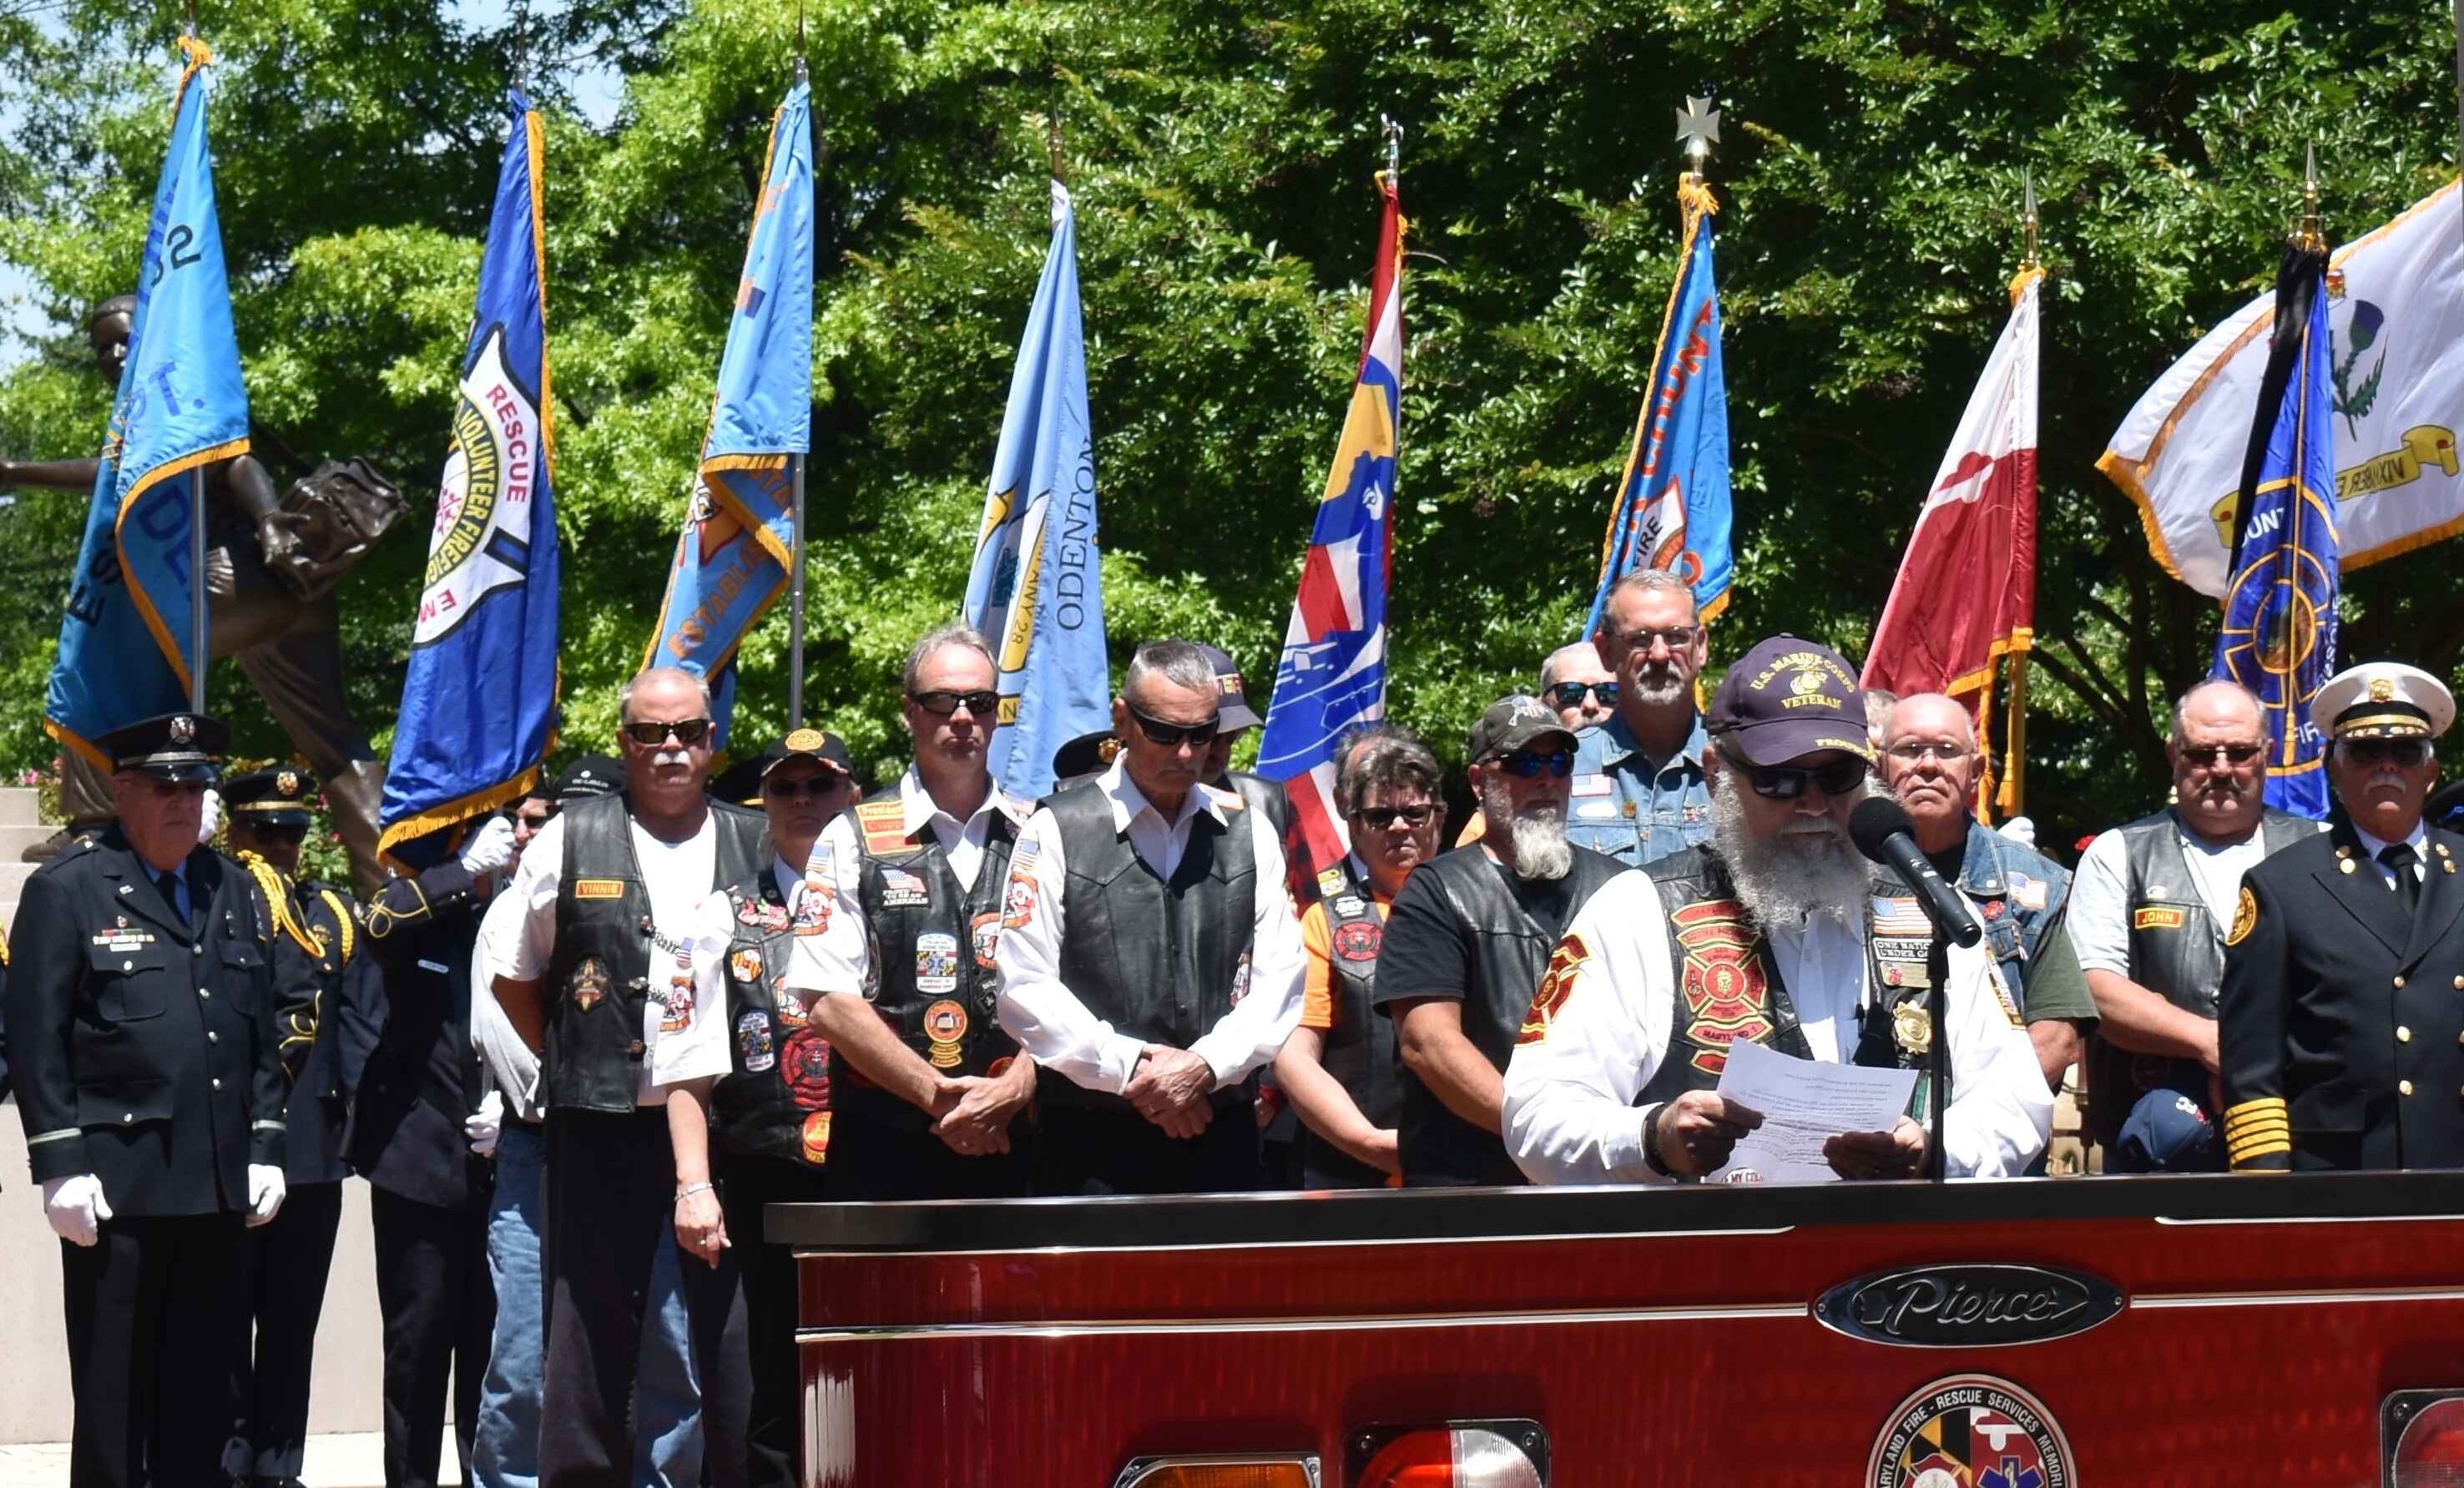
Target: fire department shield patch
point(1356, 940)
point(1971, 1430)
point(806, 1068)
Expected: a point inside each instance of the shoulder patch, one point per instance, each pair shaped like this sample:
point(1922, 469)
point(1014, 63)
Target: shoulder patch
point(884, 825)
point(2245, 917)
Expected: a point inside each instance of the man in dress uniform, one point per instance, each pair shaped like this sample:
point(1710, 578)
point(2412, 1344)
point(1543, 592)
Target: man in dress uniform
point(597, 962)
point(1468, 938)
point(316, 946)
point(2149, 909)
point(2341, 1024)
point(747, 1080)
point(928, 1096)
point(1149, 958)
point(1339, 1069)
point(1639, 793)
point(428, 1192)
point(142, 1013)
point(1761, 935)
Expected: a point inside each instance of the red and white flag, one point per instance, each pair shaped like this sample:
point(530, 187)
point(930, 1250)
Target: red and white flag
point(1967, 592)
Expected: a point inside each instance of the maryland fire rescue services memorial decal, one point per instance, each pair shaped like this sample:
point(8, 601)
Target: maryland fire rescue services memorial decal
point(1970, 1430)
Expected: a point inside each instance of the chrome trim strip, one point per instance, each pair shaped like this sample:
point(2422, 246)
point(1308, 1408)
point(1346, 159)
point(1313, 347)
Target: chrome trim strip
point(2352, 1295)
point(1176, 1250)
point(1146, 1327)
point(2166, 1219)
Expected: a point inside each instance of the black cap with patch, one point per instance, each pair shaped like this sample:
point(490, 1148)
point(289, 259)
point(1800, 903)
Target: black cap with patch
point(1084, 755)
point(1512, 722)
point(278, 797)
point(181, 748)
point(591, 775)
point(1788, 698)
point(815, 744)
point(1232, 705)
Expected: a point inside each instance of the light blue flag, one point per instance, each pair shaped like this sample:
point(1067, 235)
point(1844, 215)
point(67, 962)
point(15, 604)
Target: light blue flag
point(1672, 508)
point(2278, 636)
point(1036, 588)
point(732, 556)
point(480, 700)
point(125, 647)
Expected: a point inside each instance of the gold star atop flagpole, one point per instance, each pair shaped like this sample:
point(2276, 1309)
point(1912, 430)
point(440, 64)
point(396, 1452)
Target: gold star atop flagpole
point(1698, 127)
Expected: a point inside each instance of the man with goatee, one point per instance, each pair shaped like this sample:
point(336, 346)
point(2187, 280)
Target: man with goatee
point(1467, 937)
point(1759, 935)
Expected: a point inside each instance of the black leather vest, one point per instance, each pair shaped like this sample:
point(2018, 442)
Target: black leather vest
point(1727, 988)
point(1161, 962)
point(935, 979)
point(1360, 1047)
point(777, 1101)
point(599, 980)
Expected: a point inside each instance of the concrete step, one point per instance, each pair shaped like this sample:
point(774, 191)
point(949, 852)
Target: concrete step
point(15, 840)
point(13, 882)
point(20, 806)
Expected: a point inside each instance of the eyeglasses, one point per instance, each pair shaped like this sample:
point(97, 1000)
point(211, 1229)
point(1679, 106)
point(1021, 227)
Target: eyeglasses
point(811, 787)
point(2216, 757)
point(1380, 819)
point(1568, 694)
point(1170, 735)
point(1909, 752)
point(1787, 782)
point(689, 731)
point(1524, 764)
point(2405, 753)
point(942, 704)
point(1677, 638)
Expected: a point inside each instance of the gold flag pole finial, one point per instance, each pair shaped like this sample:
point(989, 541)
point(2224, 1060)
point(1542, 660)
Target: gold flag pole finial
point(2310, 237)
point(2028, 221)
point(1698, 128)
point(1394, 133)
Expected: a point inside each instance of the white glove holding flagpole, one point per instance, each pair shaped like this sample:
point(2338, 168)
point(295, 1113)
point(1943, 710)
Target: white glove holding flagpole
point(264, 1193)
point(212, 820)
point(490, 849)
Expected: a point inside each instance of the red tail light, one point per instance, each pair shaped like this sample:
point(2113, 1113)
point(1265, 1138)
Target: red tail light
point(1501, 1453)
point(2421, 1437)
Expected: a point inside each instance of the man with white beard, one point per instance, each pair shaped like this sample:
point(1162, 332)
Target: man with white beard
point(1466, 939)
point(1759, 935)
point(1639, 792)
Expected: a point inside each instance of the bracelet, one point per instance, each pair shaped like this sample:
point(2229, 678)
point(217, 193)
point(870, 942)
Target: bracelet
point(692, 1189)
point(1651, 1141)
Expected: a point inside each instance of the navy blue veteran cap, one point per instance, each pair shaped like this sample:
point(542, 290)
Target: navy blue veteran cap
point(1788, 698)
point(592, 775)
point(1232, 709)
point(278, 797)
point(181, 748)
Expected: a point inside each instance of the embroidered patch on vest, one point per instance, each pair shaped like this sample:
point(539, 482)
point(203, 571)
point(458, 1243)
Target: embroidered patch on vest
point(2158, 917)
point(885, 827)
point(805, 1065)
point(2245, 918)
point(901, 890)
point(588, 984)
point(1358, 941)
point(816, 1138)
point(945, 1023)
point(1725, 991)
point(984, 938)
point(753, 1046)
point(745, 965)
point(761, 914)
point(936, 963)
point(1556, 985)
point(599, 888)
point(1017, 901)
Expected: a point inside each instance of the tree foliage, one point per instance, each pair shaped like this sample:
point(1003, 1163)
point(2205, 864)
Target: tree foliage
point(1220, 151)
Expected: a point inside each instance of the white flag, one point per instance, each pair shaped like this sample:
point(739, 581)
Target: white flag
point(2398, 394)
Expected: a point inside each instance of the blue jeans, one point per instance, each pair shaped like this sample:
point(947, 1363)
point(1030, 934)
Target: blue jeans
point(666, 1385)
point(504, 1451)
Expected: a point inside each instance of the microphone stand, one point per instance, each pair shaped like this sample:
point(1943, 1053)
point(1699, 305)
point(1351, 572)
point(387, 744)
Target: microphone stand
point(1937, 1048)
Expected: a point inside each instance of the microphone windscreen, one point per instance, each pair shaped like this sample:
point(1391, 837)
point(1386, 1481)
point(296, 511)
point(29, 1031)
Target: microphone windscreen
point(1874, 818)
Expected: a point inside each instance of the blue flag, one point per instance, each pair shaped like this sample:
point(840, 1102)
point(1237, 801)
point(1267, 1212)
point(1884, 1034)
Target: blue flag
point(1672, 505)
point(478, 703)
point(1036, 588)
point(2279, 638)
point(732, 558)
point(125, 650)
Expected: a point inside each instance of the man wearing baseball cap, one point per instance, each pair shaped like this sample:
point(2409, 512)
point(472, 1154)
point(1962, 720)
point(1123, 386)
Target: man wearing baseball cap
point(1466, 941)
point(2341, 1025)
point(1770, 932)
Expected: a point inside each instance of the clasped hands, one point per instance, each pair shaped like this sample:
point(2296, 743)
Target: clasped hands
point(1170, 1088)
point(972, 1112)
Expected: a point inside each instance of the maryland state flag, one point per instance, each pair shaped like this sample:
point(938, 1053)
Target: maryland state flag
point(125, 647)
point(732, 557)
point(1036, 586)
point(478, 701)
point(1672, 505)
point(1332, 675)
point(1967, 592)
point(2279, 626)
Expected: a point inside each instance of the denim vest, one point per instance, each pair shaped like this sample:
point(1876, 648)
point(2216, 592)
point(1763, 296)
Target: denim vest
point(2018, 892)
point(1619, 807)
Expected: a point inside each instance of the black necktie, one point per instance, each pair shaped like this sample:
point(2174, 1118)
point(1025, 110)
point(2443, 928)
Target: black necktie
point(168, 884)
point(2399, 857)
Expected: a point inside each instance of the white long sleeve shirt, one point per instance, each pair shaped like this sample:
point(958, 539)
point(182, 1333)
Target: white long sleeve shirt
point(1599, 1037)
point(1054, 1025)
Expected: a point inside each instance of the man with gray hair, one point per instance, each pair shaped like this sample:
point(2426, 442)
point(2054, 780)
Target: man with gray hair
point(1149, 959)
point(592, 963)
point(2149, 907)
point(1573, 682)
point(1638, 793)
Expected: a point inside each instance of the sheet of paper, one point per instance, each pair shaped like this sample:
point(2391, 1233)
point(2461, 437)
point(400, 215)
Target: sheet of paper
point(1804, 1104)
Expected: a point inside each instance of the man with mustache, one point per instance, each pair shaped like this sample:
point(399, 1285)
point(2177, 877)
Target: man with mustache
point(2149, 907)
point(1638, 790)
point(2342, 1035)
point(1573, 682)
point(1760, 936)
point(1466, 939)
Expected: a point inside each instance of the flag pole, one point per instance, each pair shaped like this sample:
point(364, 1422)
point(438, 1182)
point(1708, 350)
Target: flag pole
point(796, 498)
point(199, 636)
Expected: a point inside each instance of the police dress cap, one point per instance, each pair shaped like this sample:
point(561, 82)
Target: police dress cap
point(276, 796)
point(814, 744)
point(592, 775)
point(1232, 709)
point(2384, 700)
point(1084, 755)
point(1787, 698)
point(1512, 722)
point(181, 748)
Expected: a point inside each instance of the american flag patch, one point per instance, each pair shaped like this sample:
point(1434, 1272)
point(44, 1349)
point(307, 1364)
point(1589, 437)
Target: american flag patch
point(1895, 917)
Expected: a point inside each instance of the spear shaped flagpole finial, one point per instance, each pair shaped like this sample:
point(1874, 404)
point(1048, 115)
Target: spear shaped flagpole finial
point(2028, 218)
point(1698, 127)
point(2311, 237)
point(1394, 133)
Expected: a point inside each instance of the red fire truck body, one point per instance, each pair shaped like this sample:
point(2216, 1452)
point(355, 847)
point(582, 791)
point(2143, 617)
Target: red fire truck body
point(2028, 1334)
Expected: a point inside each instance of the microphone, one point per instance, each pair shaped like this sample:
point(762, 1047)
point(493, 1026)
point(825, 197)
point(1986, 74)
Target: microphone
point(1881, 828)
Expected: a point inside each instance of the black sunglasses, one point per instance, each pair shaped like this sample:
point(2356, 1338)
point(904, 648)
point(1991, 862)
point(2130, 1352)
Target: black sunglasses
point(811, 786)
point(941, 704)
point(1566, 694)
point(2404, 754)
point(689, 731)
point(1527, 765)
point(2216, 757)
point(1170, 735)
point(1786, 783)
point(1378, 818)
